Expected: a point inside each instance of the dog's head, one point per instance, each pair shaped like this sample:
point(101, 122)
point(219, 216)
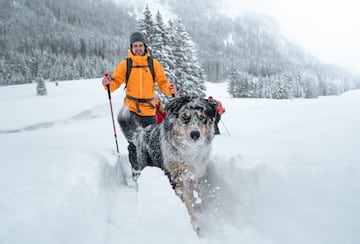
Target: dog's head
point(190, 120)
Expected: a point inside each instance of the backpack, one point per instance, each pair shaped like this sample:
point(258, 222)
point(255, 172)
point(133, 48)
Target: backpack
point(129, 66)
point(220, 108)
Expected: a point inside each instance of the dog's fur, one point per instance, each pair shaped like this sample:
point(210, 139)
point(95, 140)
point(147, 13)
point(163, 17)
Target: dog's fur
point(180, 145)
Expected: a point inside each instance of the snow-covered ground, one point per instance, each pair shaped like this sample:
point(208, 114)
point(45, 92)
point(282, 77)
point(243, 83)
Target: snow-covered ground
point(288, 172)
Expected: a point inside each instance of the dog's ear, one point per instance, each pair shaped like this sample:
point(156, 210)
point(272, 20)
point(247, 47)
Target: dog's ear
point(174, 105)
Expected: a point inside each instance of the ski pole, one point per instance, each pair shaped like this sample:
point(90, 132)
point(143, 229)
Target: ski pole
point(112, 116)
point(222, 122)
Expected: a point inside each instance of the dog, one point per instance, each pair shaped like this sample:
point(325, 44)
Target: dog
point(180, 145)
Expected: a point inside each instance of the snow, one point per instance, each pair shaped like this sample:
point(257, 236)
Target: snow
point(288, 171)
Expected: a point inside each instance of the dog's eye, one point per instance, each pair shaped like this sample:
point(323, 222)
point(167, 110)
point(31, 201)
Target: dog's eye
point(202, 118)
point(185, 119)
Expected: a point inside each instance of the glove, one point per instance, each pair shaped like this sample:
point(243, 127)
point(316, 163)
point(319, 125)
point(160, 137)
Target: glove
point(173, 89)
point(106, 79)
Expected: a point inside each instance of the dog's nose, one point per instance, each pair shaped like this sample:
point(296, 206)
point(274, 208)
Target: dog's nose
point(195, 134)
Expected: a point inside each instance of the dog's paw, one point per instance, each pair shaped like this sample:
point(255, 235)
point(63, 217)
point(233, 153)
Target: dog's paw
point(196, 228)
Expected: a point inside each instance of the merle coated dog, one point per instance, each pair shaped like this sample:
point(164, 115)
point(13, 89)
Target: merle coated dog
point(180, 145)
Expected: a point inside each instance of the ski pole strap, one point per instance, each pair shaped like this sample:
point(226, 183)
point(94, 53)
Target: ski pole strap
point(141, 100)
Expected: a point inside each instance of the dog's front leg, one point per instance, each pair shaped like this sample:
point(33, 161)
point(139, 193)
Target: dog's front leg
point(185, 193)
point(184, 189)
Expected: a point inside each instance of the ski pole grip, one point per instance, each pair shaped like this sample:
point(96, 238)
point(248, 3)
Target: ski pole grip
point(108, 90)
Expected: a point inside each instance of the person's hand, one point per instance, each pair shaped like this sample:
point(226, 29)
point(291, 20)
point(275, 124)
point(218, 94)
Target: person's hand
point(173, 89)
point(106, 79)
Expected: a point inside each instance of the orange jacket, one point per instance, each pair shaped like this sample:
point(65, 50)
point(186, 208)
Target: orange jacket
point(220, 108)
point(140, 84)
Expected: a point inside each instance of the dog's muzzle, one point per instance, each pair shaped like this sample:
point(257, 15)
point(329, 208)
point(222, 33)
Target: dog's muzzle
point(194, 135)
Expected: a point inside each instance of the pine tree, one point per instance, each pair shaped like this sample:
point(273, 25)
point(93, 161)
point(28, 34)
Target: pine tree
point(41, 87)
point(161, 49)
point(189, 75)
point(265, 87)
point(174, 49)
point(279, 90)
point(147, 26)
point(244, 85)
point(232, 82)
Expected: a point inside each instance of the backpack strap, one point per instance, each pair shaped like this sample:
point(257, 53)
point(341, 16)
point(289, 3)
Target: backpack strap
point(151, 67)
point(141, 100)
point(129, 68)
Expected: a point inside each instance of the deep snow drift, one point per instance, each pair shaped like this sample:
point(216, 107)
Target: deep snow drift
point(288, 171)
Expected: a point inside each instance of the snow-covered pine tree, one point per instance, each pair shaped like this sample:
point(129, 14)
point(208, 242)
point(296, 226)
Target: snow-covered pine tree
point(266, 91)
point(232, 81)
point(147, 26)
point(41, 87)
point(161, 49)
point(189, 75)
point(173, 47)
point(278, 88)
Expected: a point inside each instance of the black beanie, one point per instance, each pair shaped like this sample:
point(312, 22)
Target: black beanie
point(137, 37)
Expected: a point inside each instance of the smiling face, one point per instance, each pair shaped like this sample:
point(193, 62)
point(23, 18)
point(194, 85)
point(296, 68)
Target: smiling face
point(138, 48)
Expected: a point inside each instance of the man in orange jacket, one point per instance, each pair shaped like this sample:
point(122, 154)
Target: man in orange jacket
point(140, 87)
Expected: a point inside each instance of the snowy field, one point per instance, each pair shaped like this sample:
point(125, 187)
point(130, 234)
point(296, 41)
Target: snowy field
point(288, 170)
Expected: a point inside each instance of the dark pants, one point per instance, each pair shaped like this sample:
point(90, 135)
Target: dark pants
point(217, 120)
point(144, 121)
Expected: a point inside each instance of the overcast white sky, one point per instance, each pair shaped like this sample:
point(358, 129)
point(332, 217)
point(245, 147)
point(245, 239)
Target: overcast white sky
point(328, 29)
